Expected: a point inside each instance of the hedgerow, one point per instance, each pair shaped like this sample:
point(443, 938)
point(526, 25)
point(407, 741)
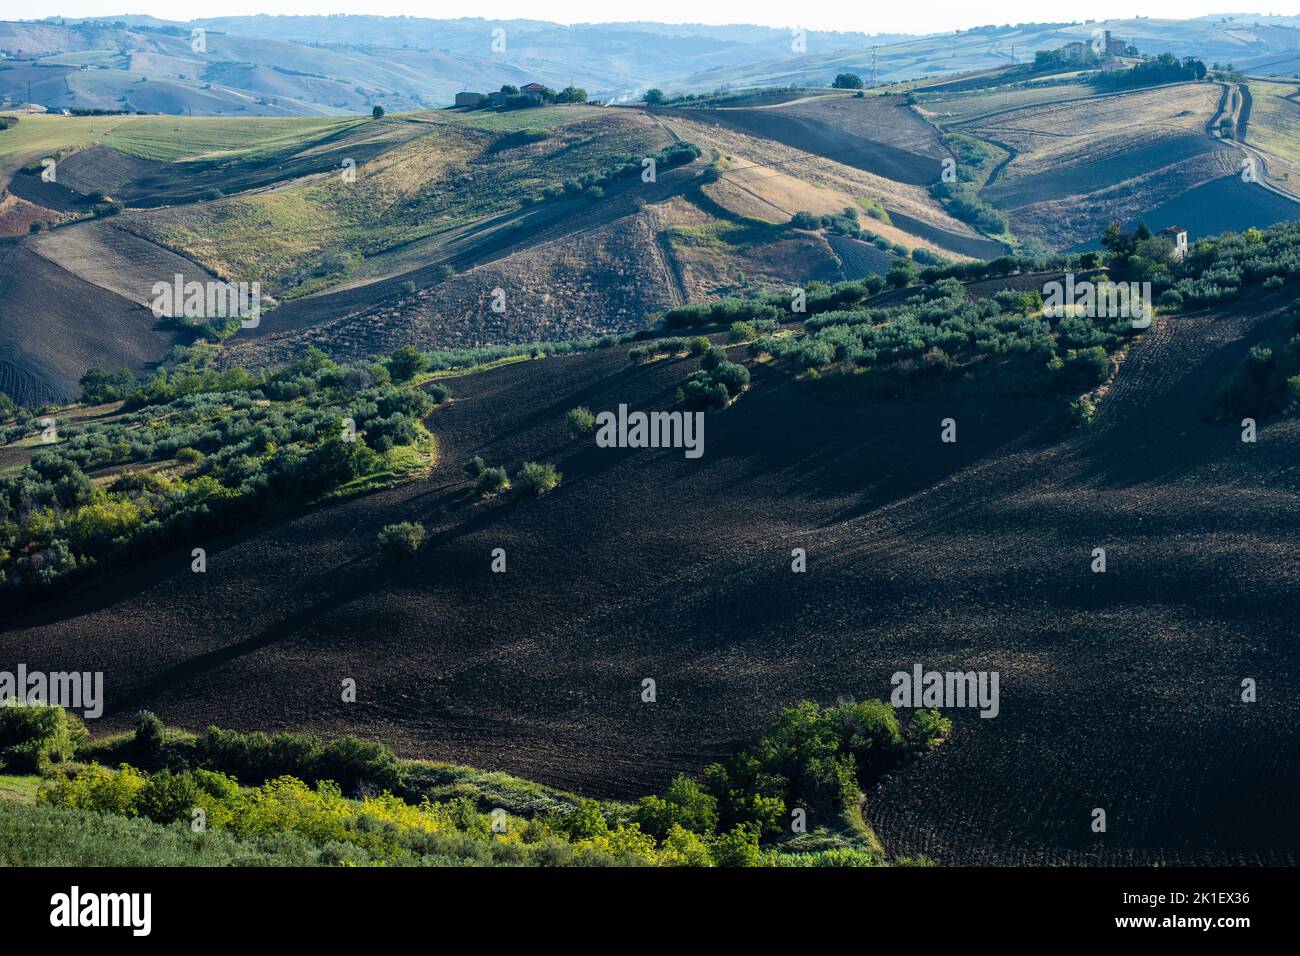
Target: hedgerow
point(290, 799)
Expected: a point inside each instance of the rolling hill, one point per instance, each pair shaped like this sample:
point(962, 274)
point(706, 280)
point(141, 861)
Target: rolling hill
point(345, 65)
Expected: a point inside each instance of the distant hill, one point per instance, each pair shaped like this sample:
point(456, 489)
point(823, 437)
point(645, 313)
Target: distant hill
point(334, 65)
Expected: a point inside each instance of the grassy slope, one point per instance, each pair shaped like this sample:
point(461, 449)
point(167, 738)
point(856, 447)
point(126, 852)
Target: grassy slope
point(949, 108)
point(19, 788)
point(402, 201)
point(1275, 126)
point(164, 138)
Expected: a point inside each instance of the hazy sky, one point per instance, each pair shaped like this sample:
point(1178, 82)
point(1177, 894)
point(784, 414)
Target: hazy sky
point(928, 16)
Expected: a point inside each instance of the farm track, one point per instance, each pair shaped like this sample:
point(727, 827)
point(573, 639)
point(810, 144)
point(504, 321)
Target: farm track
point(1118, 690)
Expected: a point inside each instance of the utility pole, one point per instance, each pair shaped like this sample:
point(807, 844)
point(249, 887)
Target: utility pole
point(873, 65)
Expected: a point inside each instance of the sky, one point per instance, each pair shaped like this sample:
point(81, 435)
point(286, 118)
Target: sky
point(931, 16)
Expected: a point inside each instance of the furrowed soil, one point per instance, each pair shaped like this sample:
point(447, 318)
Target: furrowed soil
point(1119, 690)
point(55, 325)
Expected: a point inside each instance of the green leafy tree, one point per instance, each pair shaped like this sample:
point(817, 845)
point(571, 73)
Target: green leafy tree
point(406, 363)
point(148, 733)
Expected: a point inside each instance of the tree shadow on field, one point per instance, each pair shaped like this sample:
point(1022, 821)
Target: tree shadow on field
point(343, 585)
point(1172, 435)
point(629, 378)
point(121, 584)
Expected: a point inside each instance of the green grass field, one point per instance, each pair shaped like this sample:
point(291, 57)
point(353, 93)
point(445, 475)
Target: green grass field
point(163, 138)
point(20, 789)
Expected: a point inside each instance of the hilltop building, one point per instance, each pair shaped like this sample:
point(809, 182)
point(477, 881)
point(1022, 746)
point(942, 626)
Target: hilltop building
point(1102, 44)
point(468, 99)
point(1179, 237)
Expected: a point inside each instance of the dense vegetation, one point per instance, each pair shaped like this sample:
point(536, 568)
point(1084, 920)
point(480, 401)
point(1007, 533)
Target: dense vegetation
point(933, 334)
point(224, 797)
point(195, 450)
point(1152, 71)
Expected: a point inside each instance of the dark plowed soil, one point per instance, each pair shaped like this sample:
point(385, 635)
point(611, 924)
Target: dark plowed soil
point(859, 258)
point(975, 246)
point(1087, 176)
point(54, 326)
point(1218, 206)
point(57, 196)
point(102, 167)
point(1118, 690)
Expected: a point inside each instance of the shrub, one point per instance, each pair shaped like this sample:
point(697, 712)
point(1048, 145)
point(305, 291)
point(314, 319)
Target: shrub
point(681, 847)
point(1081, 413)
point(401, 540)
point(351, 762)
point(700, 392)
point(96, 788)
point(712, 358)
point(474, 467)
point(168, 797)
point(492, 481)
point(536, 479)
point(406, 363)
point(737, 847)
point(255, 757)
point(34, 737)
point(741, 332)
point(732, 376)
point(1084, 368)
point(698, 345)
point(928, 728)
point(685, 804)
point(100, 385)
point(148, 733)
point(580, 421)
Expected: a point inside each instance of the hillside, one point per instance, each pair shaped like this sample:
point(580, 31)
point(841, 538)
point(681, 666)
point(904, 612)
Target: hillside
point(345, 65)
point(1264, 45)
point(443, 207)
point(1113, 684)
